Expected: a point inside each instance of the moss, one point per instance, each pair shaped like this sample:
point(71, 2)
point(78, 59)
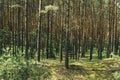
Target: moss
point(83, 70)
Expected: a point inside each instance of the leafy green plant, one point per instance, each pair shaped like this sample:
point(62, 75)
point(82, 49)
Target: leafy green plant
point(4, 37)
point(18, 69)
point(116, 75)
point(114, 56)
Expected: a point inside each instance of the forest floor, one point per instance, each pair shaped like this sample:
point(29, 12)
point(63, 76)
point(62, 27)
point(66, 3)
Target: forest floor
point(83, 69)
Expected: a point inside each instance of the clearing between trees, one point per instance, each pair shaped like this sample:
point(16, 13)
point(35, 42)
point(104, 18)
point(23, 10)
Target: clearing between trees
point(83, 69)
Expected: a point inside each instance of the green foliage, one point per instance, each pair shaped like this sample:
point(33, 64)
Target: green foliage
point(9, 51)
point(116, 75)
point(114, 56)
point(4, 38)
point(12, 68)
point(16, 6)
point(50, 8)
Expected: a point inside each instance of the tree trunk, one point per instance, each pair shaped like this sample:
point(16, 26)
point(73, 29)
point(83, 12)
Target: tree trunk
point(26, 30)
point(67, 35)
point(39, 32)
point(18, 25)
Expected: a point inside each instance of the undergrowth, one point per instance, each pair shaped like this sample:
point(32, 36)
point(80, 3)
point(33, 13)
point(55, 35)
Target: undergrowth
point(12, 68)
point(116, 74)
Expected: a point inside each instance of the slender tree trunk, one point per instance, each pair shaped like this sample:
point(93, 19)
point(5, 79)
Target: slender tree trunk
point(84, 24)
point(18, 25)
point(101, 25)
point(47, 47)
point(52, 55)
point(109, 37)
point(116, 35)
point(62, 26)
point(39, 32)
point(79, 29)
point(13, 32)
point(92, 30)
point(67, 34)
point(3, 13)
point(26, 30)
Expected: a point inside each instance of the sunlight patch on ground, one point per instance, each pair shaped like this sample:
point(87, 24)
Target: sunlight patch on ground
point(80, 70)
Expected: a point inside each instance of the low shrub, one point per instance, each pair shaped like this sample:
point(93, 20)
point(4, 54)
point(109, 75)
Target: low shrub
point(116, 74)
point(18, 69)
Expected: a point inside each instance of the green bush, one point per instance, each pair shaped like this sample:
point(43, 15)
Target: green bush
point(113, 55)
point(4, 38)
point(116, 75)
point(17, 69)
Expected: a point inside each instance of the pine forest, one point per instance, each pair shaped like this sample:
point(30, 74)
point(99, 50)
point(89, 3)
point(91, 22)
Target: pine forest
point(59, 39)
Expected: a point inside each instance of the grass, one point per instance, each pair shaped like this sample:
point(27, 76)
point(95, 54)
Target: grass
point(52, 69)
point(78, 70)
point(82, 69)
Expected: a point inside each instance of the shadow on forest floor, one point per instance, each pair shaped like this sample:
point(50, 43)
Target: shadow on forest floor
point(80, 70)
